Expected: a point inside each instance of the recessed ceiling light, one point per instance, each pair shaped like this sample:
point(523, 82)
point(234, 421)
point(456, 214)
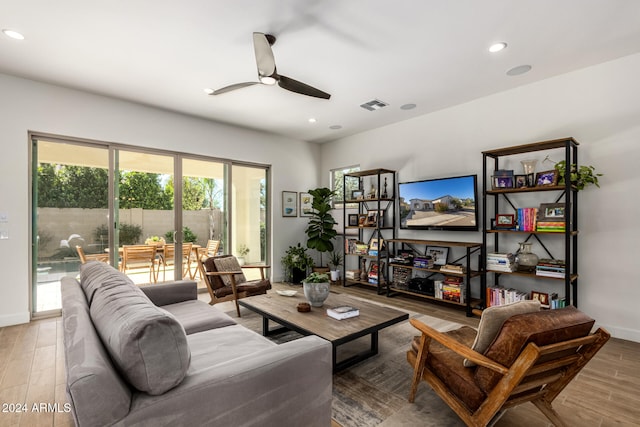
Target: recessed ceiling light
point(408, 106)
point(497, 47)
point(13, 34)
point(335, 127)
point(520, 69)
point(208, 90)
point(312, 120)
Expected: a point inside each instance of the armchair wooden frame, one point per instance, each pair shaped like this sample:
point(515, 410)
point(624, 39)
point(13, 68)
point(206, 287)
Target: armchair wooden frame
point(235, 295)
point(538, 375)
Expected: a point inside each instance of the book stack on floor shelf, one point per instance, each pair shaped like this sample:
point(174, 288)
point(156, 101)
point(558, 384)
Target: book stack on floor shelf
point(502, 296)
point(503, 262)
point(548, 267)
point(451, 289)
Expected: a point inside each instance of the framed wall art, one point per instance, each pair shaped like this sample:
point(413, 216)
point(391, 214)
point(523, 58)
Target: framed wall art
point(306, 202)
point(289, 204)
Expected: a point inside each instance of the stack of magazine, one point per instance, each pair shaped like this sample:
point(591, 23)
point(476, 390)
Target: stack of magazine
point(343, 312)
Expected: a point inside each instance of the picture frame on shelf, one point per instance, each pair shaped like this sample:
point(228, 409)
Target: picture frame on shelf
point(502, 182)
point(306, 204)
point(353, 220)
point(547, 178)
point(552, 212)
point(505, 221)
point(439, 254)
point(357, 195)
point(531, 179)
point(520, 181)
point(540, 296)
point(289, 204)
point(375, 218)
point(362, 220)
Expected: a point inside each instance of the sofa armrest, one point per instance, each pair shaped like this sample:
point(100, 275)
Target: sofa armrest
point(288, 384)
point(171, 292)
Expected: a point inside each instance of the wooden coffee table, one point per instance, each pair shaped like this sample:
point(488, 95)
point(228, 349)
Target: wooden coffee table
point(283, 310)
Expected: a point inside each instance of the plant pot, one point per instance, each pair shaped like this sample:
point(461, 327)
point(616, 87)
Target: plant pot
point(240, 260)
point(297, 275)
point(335, 275)
point(316, 293)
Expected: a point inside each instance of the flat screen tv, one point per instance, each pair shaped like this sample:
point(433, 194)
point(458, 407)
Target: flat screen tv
point(439, 204)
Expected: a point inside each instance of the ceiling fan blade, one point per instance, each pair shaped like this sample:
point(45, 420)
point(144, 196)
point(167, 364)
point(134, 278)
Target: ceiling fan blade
point(233, 87)
point(301, 88)
point(264, 55)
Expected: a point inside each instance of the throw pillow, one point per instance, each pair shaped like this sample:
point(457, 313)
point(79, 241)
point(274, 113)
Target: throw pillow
point(492, 320)
point(229, 263)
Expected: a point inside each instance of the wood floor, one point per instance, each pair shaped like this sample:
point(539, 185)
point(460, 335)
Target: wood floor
point(32, 376)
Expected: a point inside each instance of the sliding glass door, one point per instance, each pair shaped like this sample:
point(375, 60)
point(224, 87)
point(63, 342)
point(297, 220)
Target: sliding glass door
point(70, 211)
point(96, 198)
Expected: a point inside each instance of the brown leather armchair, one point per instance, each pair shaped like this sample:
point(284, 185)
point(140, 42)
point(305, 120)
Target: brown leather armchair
point(226, 282)
point(532, 359)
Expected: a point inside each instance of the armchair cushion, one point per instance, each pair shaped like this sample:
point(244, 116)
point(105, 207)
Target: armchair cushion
point(229, 263)
point(447, 366)
point(492, 320)
point(542, 328)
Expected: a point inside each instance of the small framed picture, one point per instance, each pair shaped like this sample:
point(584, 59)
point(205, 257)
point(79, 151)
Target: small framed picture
point(289, 203)
point(546, 178)
point(505, 221)
point(439, 254)
point(353, 220)
point(357, 195)
point(502, 182)
point(362, 220)
point(531, 179)
point(372, 218)
point(306, 202)
point(552, 212)
point(520, 181)
point(540, 296)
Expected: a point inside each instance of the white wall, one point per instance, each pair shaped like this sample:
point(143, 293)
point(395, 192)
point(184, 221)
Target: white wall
point(600, 107)
point(31, 106)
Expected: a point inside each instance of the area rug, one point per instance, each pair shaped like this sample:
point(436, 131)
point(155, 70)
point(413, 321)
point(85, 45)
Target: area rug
point(374, 392)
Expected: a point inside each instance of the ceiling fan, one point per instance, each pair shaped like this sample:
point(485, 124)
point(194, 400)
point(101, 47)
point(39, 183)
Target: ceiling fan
point(267, 73)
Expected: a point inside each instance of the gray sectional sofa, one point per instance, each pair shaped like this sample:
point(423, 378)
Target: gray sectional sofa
point(156, 356)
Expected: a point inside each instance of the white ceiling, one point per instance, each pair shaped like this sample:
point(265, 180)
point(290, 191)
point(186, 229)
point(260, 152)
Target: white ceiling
point(431, 53)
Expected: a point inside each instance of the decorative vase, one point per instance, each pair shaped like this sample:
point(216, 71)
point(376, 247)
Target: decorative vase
point(316, 293)
point(529, 166)
point(526, 259)
point(363, 270)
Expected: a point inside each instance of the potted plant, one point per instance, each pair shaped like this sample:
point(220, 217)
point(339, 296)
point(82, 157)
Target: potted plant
point(316, 288)
point(296, 262)
point(580, 176)
point(335, 260)
point(243, 251)
point(320, 231)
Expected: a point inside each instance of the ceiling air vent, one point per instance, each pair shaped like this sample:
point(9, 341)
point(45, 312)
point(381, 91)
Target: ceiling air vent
point(376, 104)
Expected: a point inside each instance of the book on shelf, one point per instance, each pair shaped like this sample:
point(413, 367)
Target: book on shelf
point(352, 274)
point(527, 218)
point(452, 268)
point(551, 226)
point(548, 267)
point(423, 261)
point(501, 296)
point(502, 262)
point(343, 312)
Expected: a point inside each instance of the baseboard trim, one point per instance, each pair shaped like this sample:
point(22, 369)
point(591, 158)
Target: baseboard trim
point(14, 319)
point(622, 333)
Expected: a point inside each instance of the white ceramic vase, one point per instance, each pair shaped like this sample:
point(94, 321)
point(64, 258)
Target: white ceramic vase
point(316, 293)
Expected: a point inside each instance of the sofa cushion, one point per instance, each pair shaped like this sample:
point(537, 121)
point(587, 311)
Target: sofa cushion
point(196, 316)
point(96, 391)
point(147, 344)
point(96, 274)
point(541, 328)
point(492, 319)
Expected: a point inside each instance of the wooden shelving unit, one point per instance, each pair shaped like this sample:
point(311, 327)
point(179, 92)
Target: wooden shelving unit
point(473, 269)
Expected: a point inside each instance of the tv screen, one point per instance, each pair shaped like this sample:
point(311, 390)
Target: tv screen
point(439, 204)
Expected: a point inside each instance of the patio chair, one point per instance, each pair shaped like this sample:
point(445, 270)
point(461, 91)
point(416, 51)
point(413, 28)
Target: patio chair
point(91, 257)
point(226, 282)
point(167, 257)
point(212, 248)
point(531, 359)
point(136, 257)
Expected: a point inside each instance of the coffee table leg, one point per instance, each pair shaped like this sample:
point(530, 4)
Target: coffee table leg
point(265, 326)
point(374, 343)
